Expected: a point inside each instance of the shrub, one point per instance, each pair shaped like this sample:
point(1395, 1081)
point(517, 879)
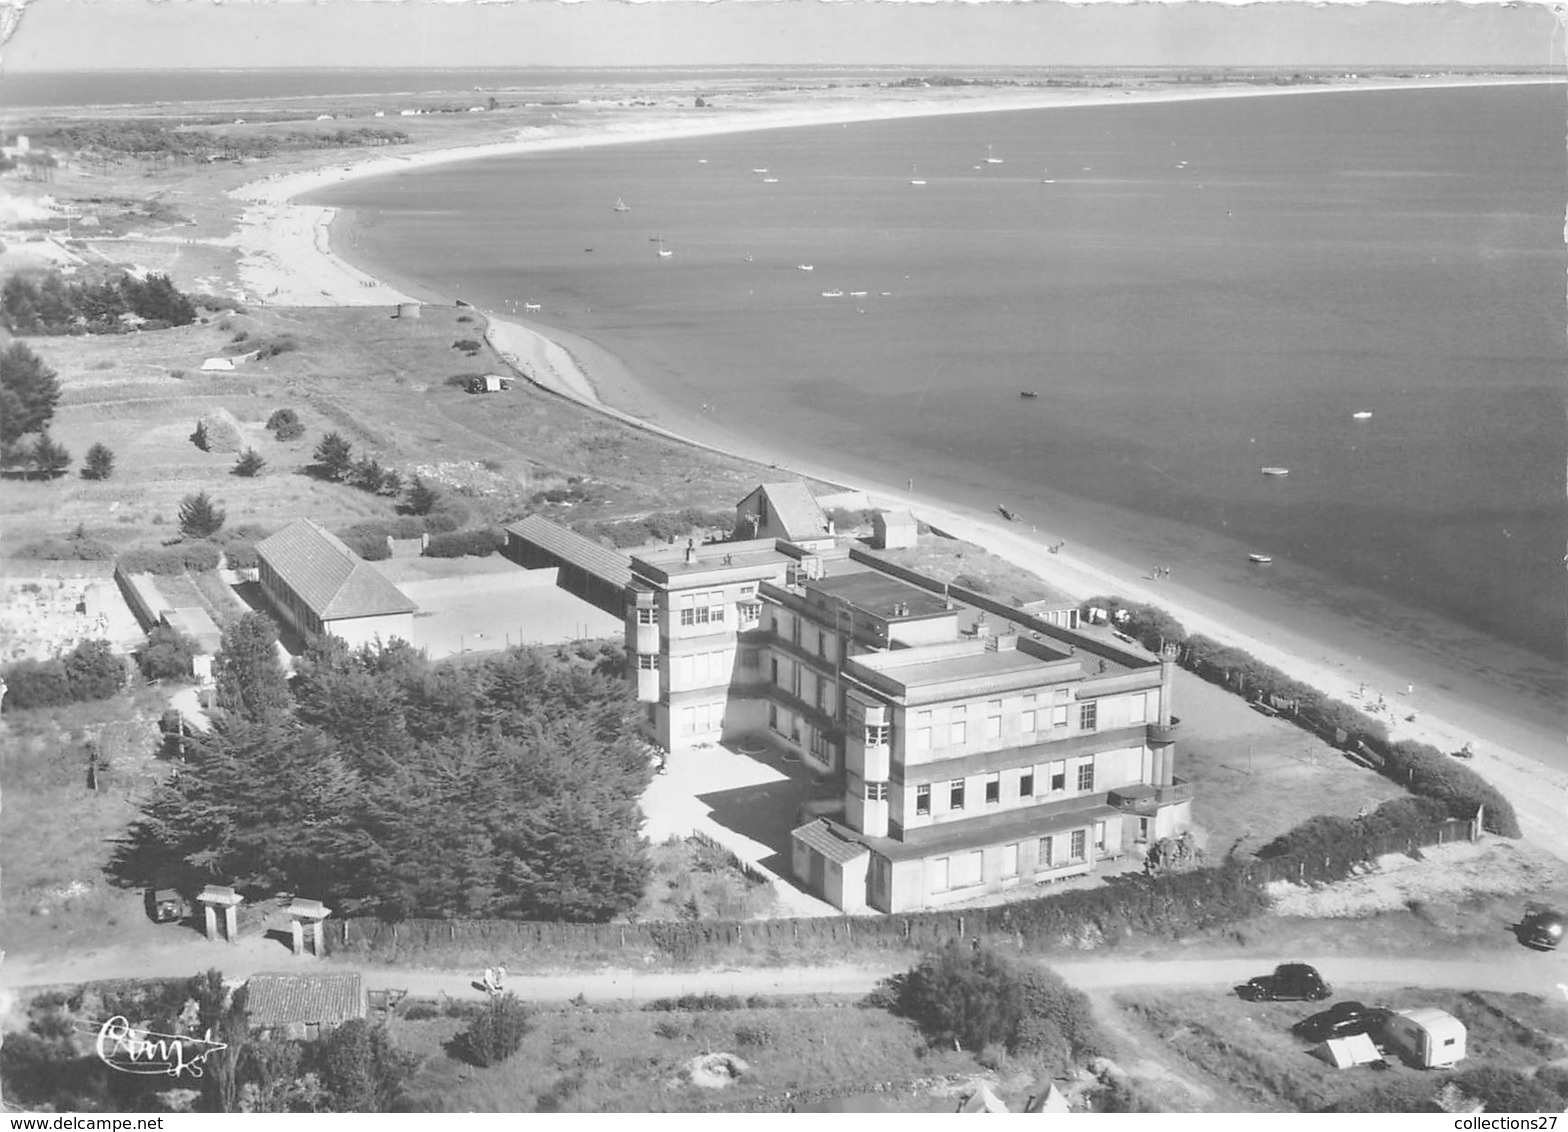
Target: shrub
point(334, 456)
point(421, 1012)
point(1425, 770)
point(285, 424)
point(754, 1035)
point(77, 548)
point(167, 655)
point(478, 544)
point(1507, 1090)
point(199, 436)
point(36, 683)
point(469, 346)
point(1149, 625)
point(177, 559)
point(250, 464)
point(93, 670)
point(48, 458)
point(283, 344)
point(494, 1035)
point(421, 498)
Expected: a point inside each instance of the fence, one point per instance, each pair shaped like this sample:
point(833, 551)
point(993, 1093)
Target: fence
point(1172, 904)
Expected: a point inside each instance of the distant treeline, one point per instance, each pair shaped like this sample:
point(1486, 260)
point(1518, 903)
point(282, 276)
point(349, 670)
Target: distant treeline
point(136, 137)
point(53, 306)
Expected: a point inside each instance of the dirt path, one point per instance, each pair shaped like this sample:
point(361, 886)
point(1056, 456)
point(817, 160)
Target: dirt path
point(1507, 972)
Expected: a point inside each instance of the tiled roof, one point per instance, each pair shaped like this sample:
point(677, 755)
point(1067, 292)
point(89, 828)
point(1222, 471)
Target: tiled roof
point(821, 836)
point(329, 577)
point(610, 565)
point(795, 509)
point(278, 1000)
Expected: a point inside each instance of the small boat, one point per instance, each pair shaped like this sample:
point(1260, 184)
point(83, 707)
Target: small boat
point(702, 161)
point(748, 257)
point(913, 180)
point(1361, 416)
point(858, 294)
point(1028, 394)
point(759, 170)
point(805, 267)
point(770, 180)
point(621, 205)
point(664, 252)
point(1275, 471)
point(1001, 509)
point(835, 294)
point(1260, 559)
point(991, 158)
point(531, 306)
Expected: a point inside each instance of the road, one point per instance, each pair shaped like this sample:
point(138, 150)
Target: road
point(1507, 971)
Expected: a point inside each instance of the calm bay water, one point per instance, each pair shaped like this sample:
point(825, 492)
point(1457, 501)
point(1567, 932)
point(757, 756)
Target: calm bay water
point(1194, 291)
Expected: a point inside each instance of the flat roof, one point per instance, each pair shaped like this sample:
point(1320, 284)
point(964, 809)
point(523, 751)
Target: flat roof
point(748, 555)
point(973, 833)
point(878, 594)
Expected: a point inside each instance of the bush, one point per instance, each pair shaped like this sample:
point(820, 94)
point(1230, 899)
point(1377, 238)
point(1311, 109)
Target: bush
point(285, 424)
point(90, 671)
point(1507, 1090)
point(77, 548)
point(421, 1012)
point(283, 344)
point(99, 464)
point(478, 544)
point(469, 346)
point(36, 683)
point(494, 1035)
point(167, 655)
point(1149, 625)
point(754, 1035)
point(250, 464)
point(200, 517)
point(93, 670)
point(698, 1002)
point(1425, 770)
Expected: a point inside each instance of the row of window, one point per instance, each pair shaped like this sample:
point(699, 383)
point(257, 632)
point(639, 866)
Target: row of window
point(1054, 851)
point(824, 696)
point(957, 789)
point(700, 719)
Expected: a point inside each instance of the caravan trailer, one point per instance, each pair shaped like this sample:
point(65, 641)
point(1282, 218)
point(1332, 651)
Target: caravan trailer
point(1428, 1038)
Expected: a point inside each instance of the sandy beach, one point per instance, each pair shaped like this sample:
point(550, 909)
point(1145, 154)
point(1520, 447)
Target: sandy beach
point(286, 259)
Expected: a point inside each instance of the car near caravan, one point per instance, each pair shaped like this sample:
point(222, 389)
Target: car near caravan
point(1541, 928)
point(1342, 1020)
point(1426, 1037)
point(1290, 981)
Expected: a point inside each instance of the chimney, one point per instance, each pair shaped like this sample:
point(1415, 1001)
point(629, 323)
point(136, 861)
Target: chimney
point(691, 551)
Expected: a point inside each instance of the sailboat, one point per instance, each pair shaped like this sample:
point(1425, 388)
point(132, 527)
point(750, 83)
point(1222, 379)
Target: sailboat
point(991, 158)
point(663, 251)
point(621, 205)
point(913, 180)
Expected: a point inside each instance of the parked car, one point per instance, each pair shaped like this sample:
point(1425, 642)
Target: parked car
point(166, 905)
point(1541, 928)
point(1342, 1020)
point(1289, 981)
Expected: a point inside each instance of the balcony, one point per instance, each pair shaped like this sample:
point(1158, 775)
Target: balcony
point(1144, 798)
point(648, 685)
point(1162, 733)
point(647, 638)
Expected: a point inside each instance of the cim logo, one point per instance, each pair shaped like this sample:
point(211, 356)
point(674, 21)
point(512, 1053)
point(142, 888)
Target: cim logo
point(122, 1047)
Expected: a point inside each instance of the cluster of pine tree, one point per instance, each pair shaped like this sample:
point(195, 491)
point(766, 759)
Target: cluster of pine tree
point(386, 784)
point(53, 306)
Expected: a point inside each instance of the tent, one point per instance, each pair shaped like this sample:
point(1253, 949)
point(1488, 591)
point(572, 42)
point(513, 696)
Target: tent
point(1342, 1053)
point(983, 1100)
point(1049, 1101)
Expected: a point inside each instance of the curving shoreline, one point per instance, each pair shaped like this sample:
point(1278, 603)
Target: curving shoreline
point(290, 261)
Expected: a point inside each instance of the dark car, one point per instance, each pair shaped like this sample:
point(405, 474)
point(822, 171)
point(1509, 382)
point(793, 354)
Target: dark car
point(166, 905)
point(1541, 928)
point(1289, 981)
point(1342, 1020)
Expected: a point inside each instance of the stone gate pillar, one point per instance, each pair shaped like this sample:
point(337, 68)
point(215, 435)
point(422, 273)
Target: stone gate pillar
point(216, 896)
point(308, 912)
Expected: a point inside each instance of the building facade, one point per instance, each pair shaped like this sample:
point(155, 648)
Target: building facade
point(316, 584)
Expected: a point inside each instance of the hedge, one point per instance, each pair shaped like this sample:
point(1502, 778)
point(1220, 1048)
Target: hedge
point(1420, 768)
point(90, 671)
point(67, 550)
point(177, 559)
point(461, 543)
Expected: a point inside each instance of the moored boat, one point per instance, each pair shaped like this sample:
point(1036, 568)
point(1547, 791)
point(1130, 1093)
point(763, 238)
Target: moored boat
point(1361, 416)
point(1028, 394)
point(621, 205)
point(1275, 471)
point(1260, 559)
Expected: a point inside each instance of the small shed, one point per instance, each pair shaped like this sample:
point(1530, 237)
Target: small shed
point(893, 530)
point(407, 310)
point(303, 1007)
point(1343, 1053)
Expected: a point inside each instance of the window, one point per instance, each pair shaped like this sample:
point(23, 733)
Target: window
point(750, 612)
point(1058, 777)
point(1099, 836)
point(1079, 839)
point(941, 874)
point(993, 789)
point(922, 799)
point(820, 747)
point(923, 731)
point(1086, 776)
point(1059, 715)
point(993, 727)
point(688, 721)
point(876, 792)
point(876, 734)
point(748, 589)
point(959, 731)
point(822, 644)
point(1140, 708)
point(975, 868)
point(647, 615)
point(1028, 721)
point(1045, 852)
point(1143, 829)
point(773, 664)
point(1087, 713)
point(1026, 784)
point(773, 716)
point(1010, 860)
point(955, 794)
point(822, 693)
point(647, 661)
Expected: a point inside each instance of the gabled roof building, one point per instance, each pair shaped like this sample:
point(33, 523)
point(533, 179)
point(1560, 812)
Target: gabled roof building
point(301, 1007)
point(317, 585)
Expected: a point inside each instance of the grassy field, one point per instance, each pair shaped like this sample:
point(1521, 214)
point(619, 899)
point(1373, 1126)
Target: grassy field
point(58, 834)
point(596, 1060)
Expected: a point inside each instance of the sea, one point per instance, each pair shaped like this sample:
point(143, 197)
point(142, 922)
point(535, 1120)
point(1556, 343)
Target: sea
point(1192, 291)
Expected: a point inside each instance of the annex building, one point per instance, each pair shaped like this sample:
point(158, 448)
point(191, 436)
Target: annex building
point(316, 584)
point(976, 746)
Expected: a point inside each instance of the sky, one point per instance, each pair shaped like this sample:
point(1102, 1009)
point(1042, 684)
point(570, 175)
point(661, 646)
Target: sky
point(168, 34)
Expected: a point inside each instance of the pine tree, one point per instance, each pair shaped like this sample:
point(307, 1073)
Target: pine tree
point(200, 517)
point(421, 498)
point(250, 464)
point(29, 391)
point(367, 474)
point(334, 456)
point(48, 458)
point(99, 464)
point(250, 678)
point(391, 483)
